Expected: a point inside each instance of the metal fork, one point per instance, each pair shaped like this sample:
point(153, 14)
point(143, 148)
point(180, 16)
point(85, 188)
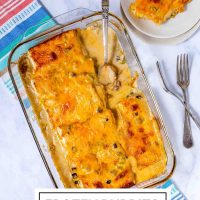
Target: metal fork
point(168, 90)
point(183, 80)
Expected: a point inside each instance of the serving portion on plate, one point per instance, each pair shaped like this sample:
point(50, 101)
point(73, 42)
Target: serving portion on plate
point(99, 136)
point(164, 18)
point(159, 11)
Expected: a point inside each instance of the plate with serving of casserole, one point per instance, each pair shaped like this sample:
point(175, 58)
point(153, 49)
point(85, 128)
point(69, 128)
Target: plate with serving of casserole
point(162, 18)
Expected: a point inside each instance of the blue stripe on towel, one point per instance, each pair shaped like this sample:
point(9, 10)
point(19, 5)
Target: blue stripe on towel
point(175, 193)
point(21, 28)
point(26, 103)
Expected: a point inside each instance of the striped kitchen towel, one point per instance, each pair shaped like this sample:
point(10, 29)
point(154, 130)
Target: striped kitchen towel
point(175, 192)
point(19, 19)
point(16, 17)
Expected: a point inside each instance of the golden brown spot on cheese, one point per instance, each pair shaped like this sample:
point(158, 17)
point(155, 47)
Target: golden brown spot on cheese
point(145, 139)
point(139, 151)
point(98, 184)
point(121, 175)
point(130, 133)
point(127, 185)
point(134, 107)
point(66, 106)
point(23, 68)
point(155, 1)
point(141, 129)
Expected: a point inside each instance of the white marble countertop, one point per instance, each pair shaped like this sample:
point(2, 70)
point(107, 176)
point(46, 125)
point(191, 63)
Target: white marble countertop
point(21, 168)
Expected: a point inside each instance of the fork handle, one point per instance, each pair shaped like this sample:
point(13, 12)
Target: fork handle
point(187, 136)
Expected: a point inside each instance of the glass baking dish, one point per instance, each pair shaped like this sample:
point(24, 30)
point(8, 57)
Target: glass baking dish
point(81, 18)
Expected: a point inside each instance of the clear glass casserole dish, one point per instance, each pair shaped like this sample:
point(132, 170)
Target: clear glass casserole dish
point(81, 18)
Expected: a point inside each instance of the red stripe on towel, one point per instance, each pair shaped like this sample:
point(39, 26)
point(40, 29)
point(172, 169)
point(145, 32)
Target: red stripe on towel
point(11, 12)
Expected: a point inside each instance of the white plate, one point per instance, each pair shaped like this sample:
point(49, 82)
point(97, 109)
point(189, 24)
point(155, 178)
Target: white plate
point(174, 27)
point(161, 41)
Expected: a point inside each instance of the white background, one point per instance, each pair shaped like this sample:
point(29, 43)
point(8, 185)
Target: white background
point(101, 194)
point(21, 168)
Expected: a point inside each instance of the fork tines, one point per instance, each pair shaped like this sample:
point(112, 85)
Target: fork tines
point(183, 71)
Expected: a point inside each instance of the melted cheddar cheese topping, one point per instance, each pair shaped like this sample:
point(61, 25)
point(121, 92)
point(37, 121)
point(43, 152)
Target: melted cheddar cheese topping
point(140, 135)
point(158, 11)
point(99, 136)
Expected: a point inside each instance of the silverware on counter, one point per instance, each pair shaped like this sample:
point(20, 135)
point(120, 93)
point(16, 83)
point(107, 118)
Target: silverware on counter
point(166, 88)
point(183, 80)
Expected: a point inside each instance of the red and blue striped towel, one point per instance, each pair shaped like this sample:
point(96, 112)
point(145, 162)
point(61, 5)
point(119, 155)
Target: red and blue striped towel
point(16, 16)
